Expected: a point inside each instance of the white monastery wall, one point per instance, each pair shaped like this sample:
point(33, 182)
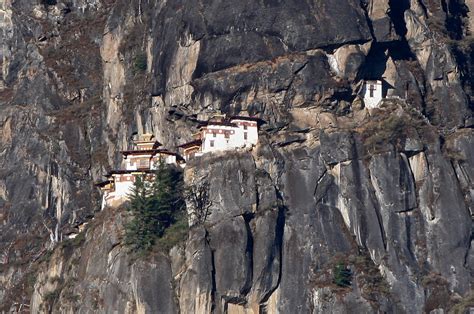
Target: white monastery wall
point(214, 138)
point(372, 94)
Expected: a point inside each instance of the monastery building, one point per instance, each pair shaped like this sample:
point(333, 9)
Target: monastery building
point(372, 93)
point(220, 134)
point(146, 154)
point(142, 159)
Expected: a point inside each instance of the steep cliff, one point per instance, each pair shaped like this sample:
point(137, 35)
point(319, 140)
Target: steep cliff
point(389, 194)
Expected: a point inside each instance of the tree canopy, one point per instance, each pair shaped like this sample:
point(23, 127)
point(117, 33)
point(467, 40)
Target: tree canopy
point(154, 205)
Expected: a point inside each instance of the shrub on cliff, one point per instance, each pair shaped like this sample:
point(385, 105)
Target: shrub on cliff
point(140, 63)
point(199, 197)
point(342, 275)
point(155, 206)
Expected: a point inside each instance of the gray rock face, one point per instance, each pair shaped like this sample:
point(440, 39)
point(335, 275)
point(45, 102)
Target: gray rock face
point(88, 275)
point(308, 223)
point(460, 147)
point(446, 253)
point(266, 30)
point(266, 255)
point(233, 273)
point(387, 193)
point(232, 184)
point(197, 283)
point(160, 300)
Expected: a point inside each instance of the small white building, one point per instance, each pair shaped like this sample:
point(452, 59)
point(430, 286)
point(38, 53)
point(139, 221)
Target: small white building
point(144, 157)
point(372, 93)
point(221, 135)
point(119, 185)
point(141, 160)
point(247, 131)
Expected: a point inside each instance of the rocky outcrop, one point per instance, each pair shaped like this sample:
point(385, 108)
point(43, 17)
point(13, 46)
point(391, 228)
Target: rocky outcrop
point(386, 193)
point(85, 275)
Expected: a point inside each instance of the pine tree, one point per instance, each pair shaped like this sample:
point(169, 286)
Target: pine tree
point(137, 235)
point(154, 207)
point(162, 198)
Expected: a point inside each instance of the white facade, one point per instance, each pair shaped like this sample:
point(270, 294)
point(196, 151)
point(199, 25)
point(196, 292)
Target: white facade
point(144, 157)
point(123, 184)
point(217, 138)
point(122, 188)
point(136, 162)
point(247, 132)
point(239, 133)
point(372, 94)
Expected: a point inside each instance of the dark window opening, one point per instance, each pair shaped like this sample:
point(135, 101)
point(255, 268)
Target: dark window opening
point(143, 163)
point(371, 90)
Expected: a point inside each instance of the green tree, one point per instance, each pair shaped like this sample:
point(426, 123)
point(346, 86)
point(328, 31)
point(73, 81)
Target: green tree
point(140, 62)
point(154, 206)
point(137, 235)
point(342, 275)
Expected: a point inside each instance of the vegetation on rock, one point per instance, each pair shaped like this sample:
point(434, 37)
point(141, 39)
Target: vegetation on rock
point(140, 62)
point(342, 275)
point(199, 198)
point(155, 207)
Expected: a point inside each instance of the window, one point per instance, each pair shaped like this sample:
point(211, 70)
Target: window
point(245, 126)
point(214, 134)
point(245, 135)
point(143, 163)
point(372, 88)
point(212, 143)
point(227, 135)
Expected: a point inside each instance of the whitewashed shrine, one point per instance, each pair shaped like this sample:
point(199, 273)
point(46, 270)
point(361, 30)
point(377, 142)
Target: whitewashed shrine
point(142, 159)
point(372, 93)
point(220, 134)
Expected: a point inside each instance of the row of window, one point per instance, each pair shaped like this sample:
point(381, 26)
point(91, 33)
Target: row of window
point(227, 135)
point(129, 178)
point(211, 142)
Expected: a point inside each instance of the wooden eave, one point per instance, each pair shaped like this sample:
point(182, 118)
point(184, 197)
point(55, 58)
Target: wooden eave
point(112, 172)
point(151, 152)
point(103, 183)
point(244, 118)
point(195, 143)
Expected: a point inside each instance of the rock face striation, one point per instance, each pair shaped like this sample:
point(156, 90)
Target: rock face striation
point(388, 193)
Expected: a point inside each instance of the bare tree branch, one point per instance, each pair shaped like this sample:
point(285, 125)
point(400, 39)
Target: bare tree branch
point(198, 197)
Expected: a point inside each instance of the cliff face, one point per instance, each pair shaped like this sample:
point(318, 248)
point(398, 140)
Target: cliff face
point(389, 194)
